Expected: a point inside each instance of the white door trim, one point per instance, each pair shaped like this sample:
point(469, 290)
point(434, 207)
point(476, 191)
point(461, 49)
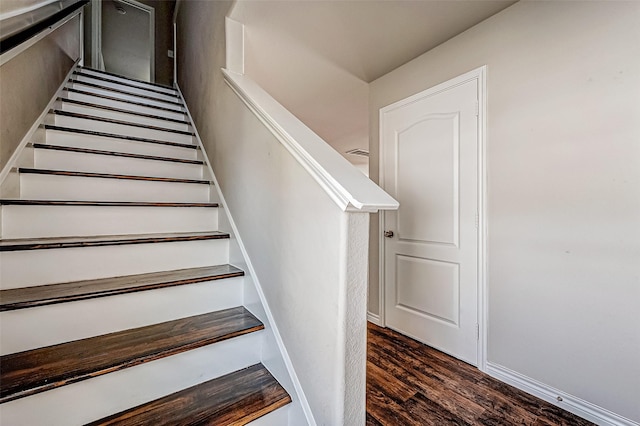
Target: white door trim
point(480, 75)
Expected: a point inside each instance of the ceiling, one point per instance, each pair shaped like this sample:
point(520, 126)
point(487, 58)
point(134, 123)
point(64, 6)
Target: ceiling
point(317, 57)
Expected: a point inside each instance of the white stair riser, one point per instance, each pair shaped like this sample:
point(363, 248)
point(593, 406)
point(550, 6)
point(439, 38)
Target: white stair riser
point(124, 96)
point(37, 267)
point(274, 418)
point(142, 84)
point(79, 140)
point(78, 161)
point(110, 393)
point(59, 221)
point(119, 129)
point(32, 328)
point(125, 88)
point(52, 187)
point(115, 115)
point(124, 105)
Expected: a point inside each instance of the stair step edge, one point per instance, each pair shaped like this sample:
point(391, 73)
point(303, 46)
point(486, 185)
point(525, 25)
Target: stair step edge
point(111, 80)
point(124, 92)
point(125, 78)
point(42, 295)
point(22, 202)
point(24, 244)
point(38, 370)
point(115, 154)
point(111, 176)
point(116, 136)
point(123, 111)
point(236, 398)
point(111, 98)
point(119, 122)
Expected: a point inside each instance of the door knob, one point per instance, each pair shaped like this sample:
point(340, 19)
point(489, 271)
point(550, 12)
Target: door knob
point(388, 234)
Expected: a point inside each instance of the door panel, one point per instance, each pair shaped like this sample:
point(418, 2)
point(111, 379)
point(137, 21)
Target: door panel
point(438, 172)
point(430, 157)
point(127, 47)
point(428, 288)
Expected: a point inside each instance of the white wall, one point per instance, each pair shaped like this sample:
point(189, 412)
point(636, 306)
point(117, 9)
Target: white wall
point(563, 147)
point(296, 237)
point(317, 57)
point(29, 80)
point(15, 7)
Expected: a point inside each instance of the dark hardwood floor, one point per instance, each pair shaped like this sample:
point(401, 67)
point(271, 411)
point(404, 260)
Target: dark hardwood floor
point(409, 383)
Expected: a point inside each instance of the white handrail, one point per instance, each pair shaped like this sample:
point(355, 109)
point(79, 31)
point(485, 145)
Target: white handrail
point(348, 188)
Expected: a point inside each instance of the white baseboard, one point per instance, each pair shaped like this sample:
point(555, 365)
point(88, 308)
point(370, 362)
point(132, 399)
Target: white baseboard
point(374, 318)
point(577, 406)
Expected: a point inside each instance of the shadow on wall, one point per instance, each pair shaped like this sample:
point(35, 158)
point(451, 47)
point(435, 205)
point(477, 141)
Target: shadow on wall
point(28, 81)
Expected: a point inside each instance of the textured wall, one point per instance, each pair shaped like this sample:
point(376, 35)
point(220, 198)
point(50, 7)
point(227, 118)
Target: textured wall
point(28, 81)
point(311, 268)
point(563, 147)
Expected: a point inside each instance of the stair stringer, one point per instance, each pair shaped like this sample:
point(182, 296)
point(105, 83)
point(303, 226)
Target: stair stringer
point(274, 355)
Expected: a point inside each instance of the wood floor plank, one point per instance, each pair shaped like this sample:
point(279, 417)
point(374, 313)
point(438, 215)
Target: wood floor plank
point(395, 388)
point(234, 399)
point(29, 297)
point(448, 391)
point(422, 379)
point(107, 240)
point(429, 413)
point(371, 421)
point(453, 382)
point(38, 370)
point(385, 410)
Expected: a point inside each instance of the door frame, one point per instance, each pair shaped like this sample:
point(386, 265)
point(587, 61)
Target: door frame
point(483, 302)
point(97, 60)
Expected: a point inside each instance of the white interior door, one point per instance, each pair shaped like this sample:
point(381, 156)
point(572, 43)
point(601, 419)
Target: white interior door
point(429, 148)
point(127, 38)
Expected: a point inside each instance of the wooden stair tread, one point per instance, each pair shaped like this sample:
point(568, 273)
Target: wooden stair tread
point(115, 154)
point(17, 202)
point(108, 240)
point(124, 92)
point(123, 77)
point(116, 136)
point(28, 297)
point(121, 122)
point(122, 83)
point(128, 101)
point(29, 372)
point(234, 399)
point(110, 176)
point(124, 111)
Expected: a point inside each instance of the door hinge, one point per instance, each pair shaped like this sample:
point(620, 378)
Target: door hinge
point(477, 331)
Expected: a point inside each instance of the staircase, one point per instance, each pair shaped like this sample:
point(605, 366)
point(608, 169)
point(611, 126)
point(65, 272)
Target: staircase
point(117, 302)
